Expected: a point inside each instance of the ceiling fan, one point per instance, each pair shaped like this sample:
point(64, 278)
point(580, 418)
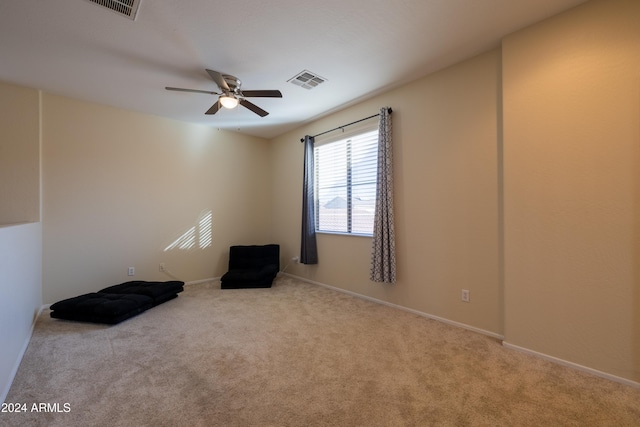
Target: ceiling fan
point(231, 94)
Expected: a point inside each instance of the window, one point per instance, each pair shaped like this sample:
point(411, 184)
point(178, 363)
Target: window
point(345, 183)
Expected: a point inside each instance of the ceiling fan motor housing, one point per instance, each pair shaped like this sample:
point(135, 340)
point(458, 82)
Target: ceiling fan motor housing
point(233, 82)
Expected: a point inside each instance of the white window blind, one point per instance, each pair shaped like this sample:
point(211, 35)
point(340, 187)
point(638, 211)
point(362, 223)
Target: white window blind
point(345, 183)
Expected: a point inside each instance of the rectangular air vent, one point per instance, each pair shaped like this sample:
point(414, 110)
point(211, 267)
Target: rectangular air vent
point(307, 79)
point(128, 8)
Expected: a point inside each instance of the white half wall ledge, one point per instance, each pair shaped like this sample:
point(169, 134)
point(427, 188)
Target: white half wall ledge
point(576, 366)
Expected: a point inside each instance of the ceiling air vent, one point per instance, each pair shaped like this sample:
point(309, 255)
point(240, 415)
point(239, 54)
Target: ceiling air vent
point(128, 8)
point(307, 79)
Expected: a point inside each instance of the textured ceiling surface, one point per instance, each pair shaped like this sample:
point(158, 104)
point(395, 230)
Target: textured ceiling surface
point(78, 49)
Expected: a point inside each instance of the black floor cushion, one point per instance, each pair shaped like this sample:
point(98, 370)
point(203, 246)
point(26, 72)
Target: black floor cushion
point(250, 277)
point(116, 303)
point(101, 307)
point(159, 292)
point(251, 266)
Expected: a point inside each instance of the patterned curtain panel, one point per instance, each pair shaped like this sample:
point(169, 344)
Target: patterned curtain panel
point(383, 259)
point(308, 246)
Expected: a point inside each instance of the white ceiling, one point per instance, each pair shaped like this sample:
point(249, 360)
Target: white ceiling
point(78, 49)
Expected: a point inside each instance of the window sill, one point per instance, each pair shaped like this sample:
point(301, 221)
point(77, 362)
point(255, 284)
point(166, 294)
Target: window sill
point(338, 233)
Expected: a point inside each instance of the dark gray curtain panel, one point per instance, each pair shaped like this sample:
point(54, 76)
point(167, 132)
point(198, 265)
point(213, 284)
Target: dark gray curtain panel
point(383, 257)
point(308, 246)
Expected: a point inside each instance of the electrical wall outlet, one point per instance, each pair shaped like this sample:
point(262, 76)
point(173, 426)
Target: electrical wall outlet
point(162, 268)
point(465, 295)
point(132, 271)
point(295, 259)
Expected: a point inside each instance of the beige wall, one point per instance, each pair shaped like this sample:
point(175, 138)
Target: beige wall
point(119, 187)
point(19, 155)
point(446, 203)
point(572, 187)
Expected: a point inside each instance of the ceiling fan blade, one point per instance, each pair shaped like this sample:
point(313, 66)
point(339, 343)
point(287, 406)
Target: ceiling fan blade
point(214, 108)
point(253, 107)
point(262, 93)
point(220, 81)
point(179, 89)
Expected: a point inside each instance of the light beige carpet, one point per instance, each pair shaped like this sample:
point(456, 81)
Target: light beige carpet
point(297, 355)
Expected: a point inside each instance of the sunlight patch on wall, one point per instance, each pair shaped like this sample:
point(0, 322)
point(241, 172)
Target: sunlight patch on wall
point(198, 236)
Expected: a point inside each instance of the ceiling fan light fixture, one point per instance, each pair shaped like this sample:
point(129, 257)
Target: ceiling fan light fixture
point(229, 102)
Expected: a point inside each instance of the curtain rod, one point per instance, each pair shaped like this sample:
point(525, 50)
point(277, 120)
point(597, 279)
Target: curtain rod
point(348, 124)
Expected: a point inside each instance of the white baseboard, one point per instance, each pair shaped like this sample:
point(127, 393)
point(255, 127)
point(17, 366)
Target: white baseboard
point(197, 282)
point(478, 330)
point(582, 368)
point(400, 307)
point(23, 350)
